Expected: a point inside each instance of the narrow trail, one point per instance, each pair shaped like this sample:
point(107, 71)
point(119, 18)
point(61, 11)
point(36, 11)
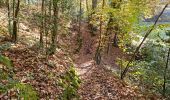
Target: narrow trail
point(99, 83)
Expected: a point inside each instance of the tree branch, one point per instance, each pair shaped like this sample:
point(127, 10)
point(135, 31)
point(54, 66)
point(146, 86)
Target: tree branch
point(123, 74)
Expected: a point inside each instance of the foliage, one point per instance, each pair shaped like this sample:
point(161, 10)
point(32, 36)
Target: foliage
point(149, 71)
point(6, 61)
point(70, 82)
point(6, 74)
point(121, 18)
point(26, 92)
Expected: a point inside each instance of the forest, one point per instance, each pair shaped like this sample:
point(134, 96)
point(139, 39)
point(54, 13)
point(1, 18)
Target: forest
point(84, 50)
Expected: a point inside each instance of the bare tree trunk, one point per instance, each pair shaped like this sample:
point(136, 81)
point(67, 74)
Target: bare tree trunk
point(9, 18)
point(47, 26)
point(42, 24)
point(98, 51)
point(123, 74)
point(91, 26)
point(165, 73)
point(87, 8)
point(55, 27)
point(79, 37)
point(15, 20)
point(115, 39)
point(108, 33)
point(80, 13)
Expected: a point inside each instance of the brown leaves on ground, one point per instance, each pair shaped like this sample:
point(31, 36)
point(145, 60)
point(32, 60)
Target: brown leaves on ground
point(102, 85)
point(98, 81)
point(32, 68)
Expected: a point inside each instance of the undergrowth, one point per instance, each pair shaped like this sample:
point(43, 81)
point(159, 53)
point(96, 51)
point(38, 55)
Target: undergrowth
point(70, 83)
point(9, 85)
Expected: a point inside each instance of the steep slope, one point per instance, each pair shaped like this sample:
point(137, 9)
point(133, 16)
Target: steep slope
point(31, 66)
point(99, 81)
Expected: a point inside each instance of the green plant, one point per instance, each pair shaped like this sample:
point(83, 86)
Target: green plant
point(26, 92)
point(6, 61)
point(6, 73)
point(148, 72)
point(7, 82)
point(70, 82)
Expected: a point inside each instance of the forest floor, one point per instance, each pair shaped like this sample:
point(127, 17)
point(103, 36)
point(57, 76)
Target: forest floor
point(99, 82)
point(31, 66)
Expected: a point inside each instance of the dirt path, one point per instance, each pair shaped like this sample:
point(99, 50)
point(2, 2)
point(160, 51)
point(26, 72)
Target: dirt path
point(98, 83)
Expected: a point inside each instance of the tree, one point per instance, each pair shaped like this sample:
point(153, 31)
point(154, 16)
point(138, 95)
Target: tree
point(165, 73)
point(123, 74)
point(42, 23)
point(91, 26)
point(79, 36)
point(99, 49)
point(15, 19)
point(55, 26)
point(111, 27)
point(9, 17)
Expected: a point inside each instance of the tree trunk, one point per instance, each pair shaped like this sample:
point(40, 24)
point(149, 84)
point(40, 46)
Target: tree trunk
point(94, 4)
point(165, 73)
point(80, 13)
point(98, 51)
point(9, 18)
point(15, 20)
point(91, 26)
point(123, 74)
point(108, 33)
point(87, 8)
point(42, 24)
point(55, 27)
point(115, 39)
point(79, 36)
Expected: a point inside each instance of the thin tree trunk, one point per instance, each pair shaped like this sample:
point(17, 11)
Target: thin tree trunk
point(15, 21)
point(49, 31)
point(9, 18)
point(165, 73)
point(87, 8)
point(55, 27)
point(108, 33)
point(79, 37)
point(123, 74)
point(115, 39)
point(80, 13)
point(42, 23)
point(91, 26)
point(98, 51)
point(45, 27)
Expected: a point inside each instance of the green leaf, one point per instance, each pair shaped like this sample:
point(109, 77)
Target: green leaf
point(27, 92)
point(6, 61)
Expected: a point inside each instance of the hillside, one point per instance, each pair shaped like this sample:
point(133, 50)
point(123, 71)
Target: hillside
point(82, 50)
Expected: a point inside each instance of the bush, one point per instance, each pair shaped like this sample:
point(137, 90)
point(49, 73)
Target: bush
point(70, 82)
point(26, 92)
point(7, 82)
point(149, 72)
